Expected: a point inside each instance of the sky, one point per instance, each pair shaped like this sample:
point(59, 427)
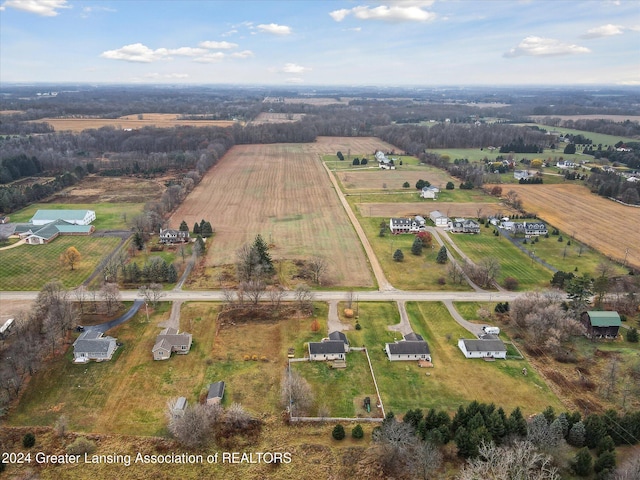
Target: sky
point(321, 42)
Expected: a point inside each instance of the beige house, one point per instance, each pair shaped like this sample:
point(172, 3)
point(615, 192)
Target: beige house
point(170, 341)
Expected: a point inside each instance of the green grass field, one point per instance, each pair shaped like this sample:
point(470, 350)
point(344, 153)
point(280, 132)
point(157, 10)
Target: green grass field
point(415, 272)
point(513, 262)
point(597, 138)
point(29, 267)
point(109, 216)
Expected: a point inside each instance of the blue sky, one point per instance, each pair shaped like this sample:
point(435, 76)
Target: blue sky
point(321, 42)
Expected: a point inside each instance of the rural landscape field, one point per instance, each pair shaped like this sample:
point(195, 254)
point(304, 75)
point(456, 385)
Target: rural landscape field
point(276, 240)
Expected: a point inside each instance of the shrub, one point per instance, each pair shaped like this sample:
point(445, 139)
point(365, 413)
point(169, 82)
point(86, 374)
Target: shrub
point(246, 358)
point(406, 185)
point(358, 327)
point(29, 440)
point(560, 239)
point(442, 281)
point(338, 432)
point(80, 446)
point(398, 256)
point(357, 432)
point(511, 283)
point(632, 335)
point(254, 358)
point(450, 186)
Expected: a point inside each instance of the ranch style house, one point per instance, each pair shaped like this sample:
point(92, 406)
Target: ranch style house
point(91, 345)
point(332, 348)
point(429, 192)
point(488, 347)
point(411, 347)
point(169, 341)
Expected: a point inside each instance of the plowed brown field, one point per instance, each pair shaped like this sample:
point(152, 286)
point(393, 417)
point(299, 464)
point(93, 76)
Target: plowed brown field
point(282, 192)
point(605, 225)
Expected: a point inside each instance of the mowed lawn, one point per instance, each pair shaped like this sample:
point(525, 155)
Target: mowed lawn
point(513, 262)
point(109, 216)
point(415, 272)
point(29, 267)
point(128, 395)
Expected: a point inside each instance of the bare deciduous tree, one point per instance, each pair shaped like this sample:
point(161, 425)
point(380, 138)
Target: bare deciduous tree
point(296, 394)
point(455, 273)
point(521, 460)
point(304, 297)
point(276, 296)
point(318, 267)
point(253, 289)
point(193, 428)
point(152, 293)
point(236, 417)
point(110, 295)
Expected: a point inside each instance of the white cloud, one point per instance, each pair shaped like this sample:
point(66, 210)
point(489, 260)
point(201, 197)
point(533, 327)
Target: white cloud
point(242, 54)
point(210, 57)
point(218, 45)
point(399, 12)
point(275, 29)
point(539, 47)
point(45, 8)
point(88, 11)
point(604, 31)
point(294, 68)
point(137, 52)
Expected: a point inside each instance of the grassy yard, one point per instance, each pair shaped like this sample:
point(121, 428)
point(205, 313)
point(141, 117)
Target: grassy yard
point(513, 262)
point(29, 267)
point(128, 394)
point(415, 272)
point(109, 216)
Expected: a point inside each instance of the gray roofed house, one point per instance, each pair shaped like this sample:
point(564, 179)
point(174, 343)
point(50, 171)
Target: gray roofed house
point(483, 348)
point(168, 341)
point(327, 350)
point(91, 345)
point(339, 336)
point(462, 225)
point(412, 347)
point(215, 393)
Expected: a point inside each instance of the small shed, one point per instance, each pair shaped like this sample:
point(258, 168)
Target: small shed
point(601, 324)
point(215, 393)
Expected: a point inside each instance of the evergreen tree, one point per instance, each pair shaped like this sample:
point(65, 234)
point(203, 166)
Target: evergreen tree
point(398, 256)
point(357, 432)
point(577, 434)
point(261, 248)
point(442, 255)
point(605, 463)
point(496, 427)
point(517, 424)
point(196, 228)
point(413, 417)
point(582, 462)
point(549, 414)
point(183, 226)
point(595, 430)
point(172, 274)
point(338, 432)
point(206, 230)
point(632, 335)
point(606, 445)
point(138, 240)
point(416, 248)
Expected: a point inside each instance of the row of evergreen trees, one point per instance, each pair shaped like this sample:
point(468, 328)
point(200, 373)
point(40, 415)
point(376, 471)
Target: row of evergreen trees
point(204, 228)
point(155, 270)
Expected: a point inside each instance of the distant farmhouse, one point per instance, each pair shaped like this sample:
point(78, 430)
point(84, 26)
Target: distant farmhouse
point(531, 228)
point(521, 174)
point(46, 225)
point(385, 162)
point(601, 324)
point(169, 341)
point(462, 225)
point(171, 236)
point(411, 347)
point(91, 345)
point(429, 192)
point(407, 225)
point(439, 219)
point(332, 348)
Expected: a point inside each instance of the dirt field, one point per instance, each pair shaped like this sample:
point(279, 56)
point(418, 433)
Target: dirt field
point(374, 178)
point(95, 189)
point(451, 209)
point(282, 192)
point(129, 121)
point(269, 117)
point(607, 226)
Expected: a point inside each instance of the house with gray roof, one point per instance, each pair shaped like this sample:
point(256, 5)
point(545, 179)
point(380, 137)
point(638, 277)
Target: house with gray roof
point(92, 345)
point(170, 340)
point(488, 347)
point(411, 347)
point(462, 225)
point(215, 393)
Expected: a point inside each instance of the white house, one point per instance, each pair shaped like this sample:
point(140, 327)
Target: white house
point(77, 217)
point(411, 347)
point(91, 345)
point(327, 350)
point(171, 236)
point(407, 225)
point(483, 348)
point(439, 219)
point(519, 174)
point(429, 192)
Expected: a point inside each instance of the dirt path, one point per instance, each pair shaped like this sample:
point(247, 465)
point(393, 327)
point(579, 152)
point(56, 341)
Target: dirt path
point(174, 318)
point(17, 244)
point(333, 322)
point(381, 279)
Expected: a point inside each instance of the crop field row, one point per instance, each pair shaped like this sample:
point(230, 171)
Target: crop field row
point(282, 192)
point(607, 226)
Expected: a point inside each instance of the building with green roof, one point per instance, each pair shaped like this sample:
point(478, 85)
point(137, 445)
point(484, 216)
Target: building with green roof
point(601, 323)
